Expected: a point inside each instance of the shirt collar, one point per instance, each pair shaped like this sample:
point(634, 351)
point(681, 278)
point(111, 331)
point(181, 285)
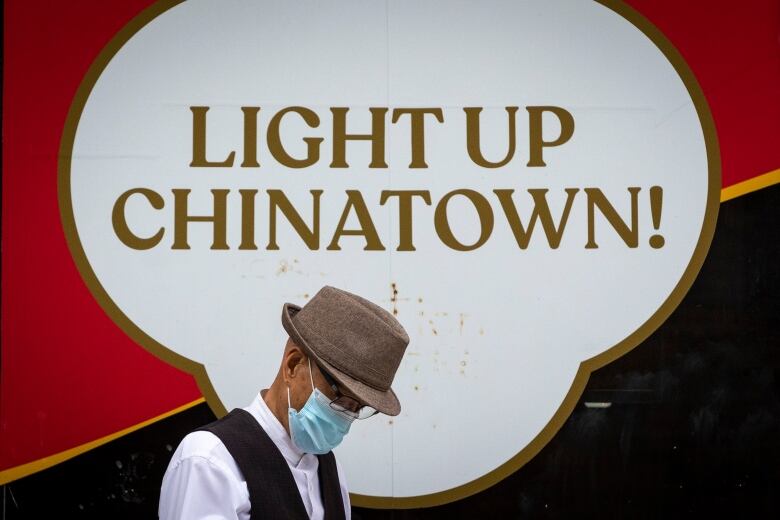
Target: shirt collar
point(275, 430)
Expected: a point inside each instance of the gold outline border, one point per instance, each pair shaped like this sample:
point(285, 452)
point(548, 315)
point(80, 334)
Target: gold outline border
point(28, 468)
point(586, 367)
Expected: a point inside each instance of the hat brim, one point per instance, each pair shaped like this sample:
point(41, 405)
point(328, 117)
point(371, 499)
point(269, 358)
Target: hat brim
point(384, 401)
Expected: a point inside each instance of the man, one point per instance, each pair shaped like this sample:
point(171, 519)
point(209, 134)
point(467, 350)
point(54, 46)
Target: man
point(273, 458)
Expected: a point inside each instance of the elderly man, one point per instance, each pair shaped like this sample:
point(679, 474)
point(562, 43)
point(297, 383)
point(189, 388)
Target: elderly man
point(273, 458)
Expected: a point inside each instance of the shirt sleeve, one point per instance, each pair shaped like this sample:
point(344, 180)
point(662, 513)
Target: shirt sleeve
point(196, 487)
point(344, 491)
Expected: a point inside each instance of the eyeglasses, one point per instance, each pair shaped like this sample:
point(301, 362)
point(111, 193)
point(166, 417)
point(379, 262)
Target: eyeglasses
point(346, 404)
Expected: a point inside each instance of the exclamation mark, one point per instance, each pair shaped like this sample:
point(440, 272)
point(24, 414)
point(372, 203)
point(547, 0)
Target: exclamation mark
point(656, 203)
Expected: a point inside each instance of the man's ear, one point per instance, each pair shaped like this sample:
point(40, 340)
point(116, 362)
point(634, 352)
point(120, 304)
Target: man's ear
point(292, 362)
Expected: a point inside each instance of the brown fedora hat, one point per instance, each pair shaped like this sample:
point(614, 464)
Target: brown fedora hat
point(356, 341)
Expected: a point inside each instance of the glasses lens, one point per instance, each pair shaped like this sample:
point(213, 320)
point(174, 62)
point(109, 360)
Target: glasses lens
point(367, 412)
point(352, 407)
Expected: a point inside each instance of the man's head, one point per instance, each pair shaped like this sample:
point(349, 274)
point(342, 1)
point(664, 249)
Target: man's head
point(295, 375)
point(356, 342)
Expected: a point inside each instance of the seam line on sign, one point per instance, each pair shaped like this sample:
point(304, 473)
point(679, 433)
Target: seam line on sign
point(28, 468)
point(390, 222)
point(750, 185)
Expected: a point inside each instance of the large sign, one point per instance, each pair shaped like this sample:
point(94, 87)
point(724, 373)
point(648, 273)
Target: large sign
point(530, 187)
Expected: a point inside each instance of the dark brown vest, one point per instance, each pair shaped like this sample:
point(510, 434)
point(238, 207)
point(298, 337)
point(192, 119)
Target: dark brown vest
point(273, 493)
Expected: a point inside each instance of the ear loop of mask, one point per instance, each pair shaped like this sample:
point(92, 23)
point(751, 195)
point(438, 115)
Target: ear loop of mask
point(311, 378)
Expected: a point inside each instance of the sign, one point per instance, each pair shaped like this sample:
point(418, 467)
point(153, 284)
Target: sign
point(530, 188)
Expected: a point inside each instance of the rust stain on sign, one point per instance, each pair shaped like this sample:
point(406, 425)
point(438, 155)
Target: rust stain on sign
point(462, 315)
point(433, 329)
point(283, 267)
point(288, 267)
point(394, 298)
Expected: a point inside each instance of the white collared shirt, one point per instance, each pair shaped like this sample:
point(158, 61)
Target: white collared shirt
point(204, 481)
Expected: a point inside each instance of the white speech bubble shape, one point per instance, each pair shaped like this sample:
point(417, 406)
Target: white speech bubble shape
point(502, 337)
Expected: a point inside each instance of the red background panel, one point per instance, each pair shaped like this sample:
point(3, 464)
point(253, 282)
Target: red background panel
point(733, 49)
point(69, 375)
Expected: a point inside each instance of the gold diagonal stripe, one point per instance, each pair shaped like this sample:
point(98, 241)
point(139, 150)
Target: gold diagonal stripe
point(750, 185)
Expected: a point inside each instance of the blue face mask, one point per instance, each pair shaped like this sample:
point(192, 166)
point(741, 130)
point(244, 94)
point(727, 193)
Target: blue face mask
point(317, 428)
